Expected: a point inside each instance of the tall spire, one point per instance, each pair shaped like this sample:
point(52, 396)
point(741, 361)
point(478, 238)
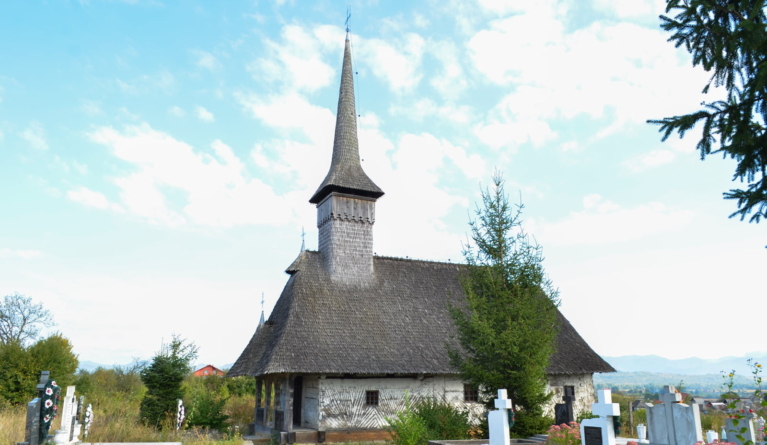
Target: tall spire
point(346, 174)
point(261, 321)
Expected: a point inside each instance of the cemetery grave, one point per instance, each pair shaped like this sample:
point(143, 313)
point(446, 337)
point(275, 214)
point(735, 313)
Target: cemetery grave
point(42, 410)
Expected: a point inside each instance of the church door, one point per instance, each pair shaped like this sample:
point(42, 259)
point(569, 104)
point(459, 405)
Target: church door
point(298, 397)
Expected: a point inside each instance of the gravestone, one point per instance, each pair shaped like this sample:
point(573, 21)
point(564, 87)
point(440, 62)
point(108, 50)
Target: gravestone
point(711, 436)
point(563, 412)
point(746, 424)
point(673, 423)
point(64, 435)
point(33, 428)
point(78, 424)
point(600, 431)
point(498, 420)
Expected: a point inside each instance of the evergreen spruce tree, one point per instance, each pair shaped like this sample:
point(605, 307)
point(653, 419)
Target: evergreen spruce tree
point(508, 324)
point(729, 39)
point(163, 379)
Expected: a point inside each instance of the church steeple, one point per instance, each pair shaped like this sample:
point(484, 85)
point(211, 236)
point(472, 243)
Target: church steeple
point(346, 198)
point(346, 174)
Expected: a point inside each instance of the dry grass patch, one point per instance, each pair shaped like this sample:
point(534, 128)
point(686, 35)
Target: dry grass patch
point(12, 420)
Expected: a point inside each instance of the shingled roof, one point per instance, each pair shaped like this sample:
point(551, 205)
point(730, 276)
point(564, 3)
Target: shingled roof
point(397, 324)
point(346, 174)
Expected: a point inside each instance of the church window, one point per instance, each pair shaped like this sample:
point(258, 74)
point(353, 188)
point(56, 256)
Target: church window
point(371, 398)
point(570, 391)
point(470, 393)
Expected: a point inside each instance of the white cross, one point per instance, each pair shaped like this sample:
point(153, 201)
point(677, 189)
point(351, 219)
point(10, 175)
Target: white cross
point(605, 406)
point(503, 401)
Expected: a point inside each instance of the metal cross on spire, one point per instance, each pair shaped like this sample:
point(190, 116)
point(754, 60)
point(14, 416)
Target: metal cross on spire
point(348, 17)
point(303, 239)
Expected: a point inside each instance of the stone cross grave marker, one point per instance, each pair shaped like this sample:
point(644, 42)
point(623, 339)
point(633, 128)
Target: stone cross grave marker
point(733, 431)
point(498, 420)
point(68, 407)
point(673, 423)
point(563, 412)
point(600, 431)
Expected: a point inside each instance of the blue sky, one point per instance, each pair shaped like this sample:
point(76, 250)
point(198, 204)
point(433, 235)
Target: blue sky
point(157, 157)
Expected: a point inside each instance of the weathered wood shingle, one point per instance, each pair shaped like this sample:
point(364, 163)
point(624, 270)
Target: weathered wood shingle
point(346, 174)
point(397, 324)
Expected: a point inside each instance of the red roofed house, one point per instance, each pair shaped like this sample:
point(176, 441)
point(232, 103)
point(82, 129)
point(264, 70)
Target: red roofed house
point(209, 370)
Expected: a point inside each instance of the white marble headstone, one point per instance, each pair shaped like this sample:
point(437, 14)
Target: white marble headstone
point(673, 423)
point(498, 420)
point(600, 431)
point(733, 431)
point(68, 407)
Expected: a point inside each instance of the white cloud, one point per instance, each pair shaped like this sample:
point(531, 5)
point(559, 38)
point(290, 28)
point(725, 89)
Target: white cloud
point(206, 60)
point(604, 222)
point(216, 189)
point(633, 9)
point(293, 112)
point(604, 69)
point(500, 133)
point(652, 159)
point(397, 62)
point(35, 135)
point(164, 81)
point(296, 63)
point(90, 198)
point(177, 111)
point(23, 254)
point(204, 115)
point(452, 79)
point(425, 108)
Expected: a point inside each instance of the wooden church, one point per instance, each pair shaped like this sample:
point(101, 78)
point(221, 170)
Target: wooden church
point(353, 332)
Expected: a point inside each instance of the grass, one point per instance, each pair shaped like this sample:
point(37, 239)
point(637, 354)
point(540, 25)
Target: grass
point(116, 420)
point(12, 422)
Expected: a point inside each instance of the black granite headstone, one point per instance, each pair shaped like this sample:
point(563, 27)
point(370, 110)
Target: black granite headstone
point(593, 435)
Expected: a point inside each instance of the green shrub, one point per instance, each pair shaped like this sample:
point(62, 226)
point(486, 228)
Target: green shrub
point(241, 386)
point(207, 411)
point(407, 428)
point(443, 420)
point(163, 379)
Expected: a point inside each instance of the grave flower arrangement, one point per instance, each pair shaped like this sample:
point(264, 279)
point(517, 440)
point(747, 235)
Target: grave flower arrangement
point(565, 434)
point(88, 419)
point(50, 405)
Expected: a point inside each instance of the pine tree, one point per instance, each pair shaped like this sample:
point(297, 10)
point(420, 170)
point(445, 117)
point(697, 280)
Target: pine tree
point(729, 39)
point(508, 324)
point(163, 379)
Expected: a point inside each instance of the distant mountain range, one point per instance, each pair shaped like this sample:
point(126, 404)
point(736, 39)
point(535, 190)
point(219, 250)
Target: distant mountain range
point(686, 366)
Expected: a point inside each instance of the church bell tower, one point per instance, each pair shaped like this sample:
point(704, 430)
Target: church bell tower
point(346, 198)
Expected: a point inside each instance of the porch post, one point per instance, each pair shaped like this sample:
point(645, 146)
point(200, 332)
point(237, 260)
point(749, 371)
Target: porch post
point(288, 403)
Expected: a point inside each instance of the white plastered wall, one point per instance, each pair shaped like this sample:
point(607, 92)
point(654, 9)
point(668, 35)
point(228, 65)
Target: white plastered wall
point(342, 400)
